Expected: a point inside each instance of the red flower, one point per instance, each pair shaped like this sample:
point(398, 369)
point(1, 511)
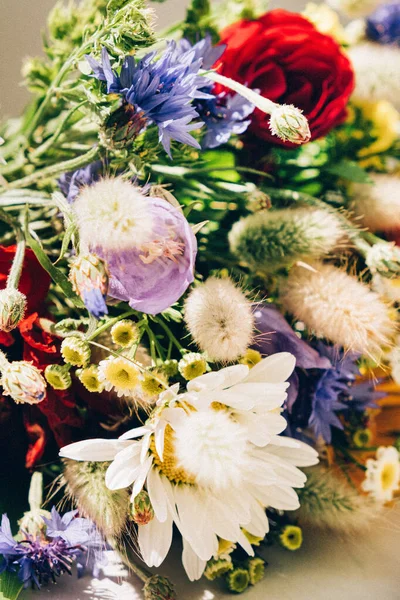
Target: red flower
point(34, 282)
point(290, 62)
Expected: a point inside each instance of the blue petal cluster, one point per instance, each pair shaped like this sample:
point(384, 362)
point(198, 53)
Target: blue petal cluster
point(172, 94)
point(383, 25)
point(324, 381)
point(70, 183)
point(40, 559)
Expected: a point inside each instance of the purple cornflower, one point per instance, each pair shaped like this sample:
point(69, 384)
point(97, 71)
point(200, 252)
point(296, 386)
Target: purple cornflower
point(323, 383)
point(383, 25)
point(42, 558)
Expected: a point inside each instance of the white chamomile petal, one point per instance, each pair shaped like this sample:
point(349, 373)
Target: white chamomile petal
point(193, 565)
point(300, 454)
point(125, 467)
point(155, 540)
point(135, 433)
point(141, 477)
point(157, 495)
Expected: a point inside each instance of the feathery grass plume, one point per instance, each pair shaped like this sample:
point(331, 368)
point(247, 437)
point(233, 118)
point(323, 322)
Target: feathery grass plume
point(276, 238)
point(378, 205)
point(338, 307)
point(327, 501)
point(377, 71)
point(220, 319)
point(85, 486)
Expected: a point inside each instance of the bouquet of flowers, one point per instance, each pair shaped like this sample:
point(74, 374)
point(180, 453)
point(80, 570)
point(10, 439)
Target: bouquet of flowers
point(200, 287)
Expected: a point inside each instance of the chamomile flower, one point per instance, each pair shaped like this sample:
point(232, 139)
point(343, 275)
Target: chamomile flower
point(291, 537)
point(89, 378)
point(251, 357)
point(192, 365)
point(216, 485)
point(58, 376)
point(120, 375)
point(75, 350)
point(382, 478)
point(124, 333)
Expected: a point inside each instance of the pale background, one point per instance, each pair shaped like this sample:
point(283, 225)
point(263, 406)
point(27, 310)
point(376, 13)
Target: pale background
point(21, 22)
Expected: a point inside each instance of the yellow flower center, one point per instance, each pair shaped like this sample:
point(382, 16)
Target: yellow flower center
point(388, 476)
point(121, 375)
point(169, 466)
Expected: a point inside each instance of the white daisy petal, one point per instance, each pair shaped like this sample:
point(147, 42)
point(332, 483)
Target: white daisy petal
point(93, 450)
point(155, 541)
point(300, 455)
point(135, 433)
point(157, 495)
point(273, 369)
point(141, 477)
point(159, 438)
point(124, 469)
point(279, 497)
point(193, 565)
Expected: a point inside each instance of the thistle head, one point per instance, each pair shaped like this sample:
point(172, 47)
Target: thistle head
point(159, 588)
point(22, 381)
point(289, 124)
point(89, 277)
point(12, 308)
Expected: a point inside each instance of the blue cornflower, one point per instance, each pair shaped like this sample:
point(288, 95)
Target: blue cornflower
point(323, 383)
point(172, 94)
point(383, 25)
point(41, 558)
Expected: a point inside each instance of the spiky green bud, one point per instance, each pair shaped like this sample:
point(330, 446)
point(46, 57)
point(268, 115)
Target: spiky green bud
point(12, 308)
point(142, 511)
point(274, 239)
point(58, 376)
point(192, 365)
point(159, 588)
point(238, 580)
point(75, 350)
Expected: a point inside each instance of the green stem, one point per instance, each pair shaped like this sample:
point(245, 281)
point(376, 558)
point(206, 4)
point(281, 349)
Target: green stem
point(18, 260)
point(169, 333)
point(48, 143)
point(54, 170)
point(351, 458)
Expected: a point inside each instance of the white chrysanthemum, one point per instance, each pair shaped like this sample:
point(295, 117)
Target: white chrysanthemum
point(113, 213)
point(338, 307)
point(354, 8)
point(211, 461)
point(382, 477)
point(377, 72)
point(220, 319)
point(212, 447)
point(378, 205)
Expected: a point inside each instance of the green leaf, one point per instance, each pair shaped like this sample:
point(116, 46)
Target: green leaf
point(55, 273)
point(347, 169)
point(69, 234)
point(10, 586)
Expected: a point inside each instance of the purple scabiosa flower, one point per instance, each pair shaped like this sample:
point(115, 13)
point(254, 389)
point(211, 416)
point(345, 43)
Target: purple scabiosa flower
point(383, 25)
point(147, 244)
point(70, 183)
point(323, 383)
point(40, 559)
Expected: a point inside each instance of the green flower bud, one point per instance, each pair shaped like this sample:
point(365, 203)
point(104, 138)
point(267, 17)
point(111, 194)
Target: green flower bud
point(22, 381)
point(291, 537)
point(142, 511)
point(58, 376)
point(170, 368)
point(159, 588)
point(362, 438)
point(256, 568)
point(238, 580)
point(12, 308)
point(76, 351)
point(192, 365)
point(216, 567)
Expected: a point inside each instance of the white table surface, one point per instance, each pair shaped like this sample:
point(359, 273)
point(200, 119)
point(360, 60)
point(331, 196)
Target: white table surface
point(366, 567)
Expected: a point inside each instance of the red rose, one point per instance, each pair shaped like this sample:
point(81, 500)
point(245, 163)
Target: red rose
point(290, 62)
